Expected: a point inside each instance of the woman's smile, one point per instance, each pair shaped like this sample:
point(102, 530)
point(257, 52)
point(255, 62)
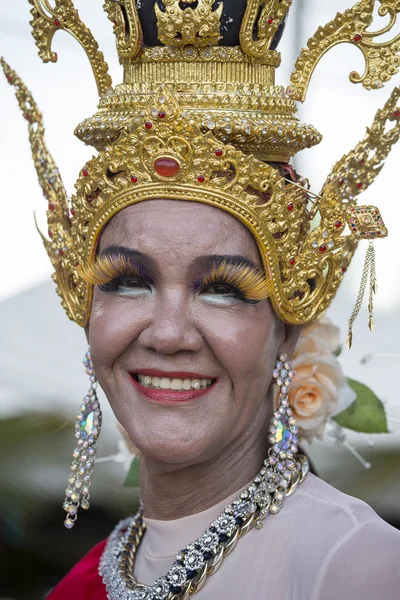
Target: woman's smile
point(171, 387)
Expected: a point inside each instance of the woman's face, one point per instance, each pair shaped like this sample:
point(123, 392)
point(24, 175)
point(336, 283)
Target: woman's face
point(169, 326)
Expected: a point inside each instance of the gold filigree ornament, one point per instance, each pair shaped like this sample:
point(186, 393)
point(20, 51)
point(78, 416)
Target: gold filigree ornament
point(265, 18)
point(197, 123)
point(198, 26)
point(381, 58)
point(64, 16)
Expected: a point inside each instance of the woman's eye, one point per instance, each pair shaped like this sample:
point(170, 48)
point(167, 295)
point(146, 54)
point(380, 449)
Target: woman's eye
point(220, 289)
point(124, 282)
point(130, 281)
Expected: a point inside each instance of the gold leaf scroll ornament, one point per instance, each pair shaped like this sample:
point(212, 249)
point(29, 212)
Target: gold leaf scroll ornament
point(381, 59)
point(47, 21)
point(265, 18)
point(59, 244)
point(127, 28)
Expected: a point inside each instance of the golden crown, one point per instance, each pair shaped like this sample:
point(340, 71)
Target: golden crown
point(194, 121)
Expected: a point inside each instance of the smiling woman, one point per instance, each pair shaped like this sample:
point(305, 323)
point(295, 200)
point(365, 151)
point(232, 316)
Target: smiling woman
point(170, 318)
point(192, 256)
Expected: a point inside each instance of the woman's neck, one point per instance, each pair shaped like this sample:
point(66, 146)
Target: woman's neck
point(171, 492)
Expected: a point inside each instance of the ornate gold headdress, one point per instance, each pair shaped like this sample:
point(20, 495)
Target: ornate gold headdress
point(195, 119)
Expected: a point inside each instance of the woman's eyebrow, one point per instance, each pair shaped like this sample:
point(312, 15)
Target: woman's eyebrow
point(130, 254)
point(201, 262)
point(204, 262)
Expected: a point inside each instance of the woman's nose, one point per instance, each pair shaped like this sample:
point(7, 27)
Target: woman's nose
point(171, 328)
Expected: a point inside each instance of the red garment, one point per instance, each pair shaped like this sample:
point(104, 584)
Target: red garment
point(83, 582)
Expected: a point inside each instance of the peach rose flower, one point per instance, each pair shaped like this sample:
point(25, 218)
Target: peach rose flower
point(319, 389)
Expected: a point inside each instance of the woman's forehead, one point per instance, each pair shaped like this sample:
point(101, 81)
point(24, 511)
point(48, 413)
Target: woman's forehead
point(171, 226)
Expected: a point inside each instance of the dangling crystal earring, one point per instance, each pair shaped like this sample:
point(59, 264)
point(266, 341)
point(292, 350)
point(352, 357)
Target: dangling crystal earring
point(283, 431)
point(88, 426)
point(284, 469)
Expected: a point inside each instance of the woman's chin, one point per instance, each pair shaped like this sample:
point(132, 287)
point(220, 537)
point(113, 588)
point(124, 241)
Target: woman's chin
point(169, 447)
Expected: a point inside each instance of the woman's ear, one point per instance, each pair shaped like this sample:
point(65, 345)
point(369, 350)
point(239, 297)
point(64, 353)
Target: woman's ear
point(291, 333)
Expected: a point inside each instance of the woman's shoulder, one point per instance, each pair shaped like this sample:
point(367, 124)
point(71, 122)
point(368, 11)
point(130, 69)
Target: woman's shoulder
point(317, 504)
point(352, 552)
point(326, 499)
point(83, 581)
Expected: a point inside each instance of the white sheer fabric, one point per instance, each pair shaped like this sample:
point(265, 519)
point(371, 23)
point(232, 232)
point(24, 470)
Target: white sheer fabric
point(323, 545)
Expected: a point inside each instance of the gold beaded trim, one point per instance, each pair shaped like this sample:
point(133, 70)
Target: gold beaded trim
point(192, 66)
point(210, 54)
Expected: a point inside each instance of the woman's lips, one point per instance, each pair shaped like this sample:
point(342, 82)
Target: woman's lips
point(168, 396)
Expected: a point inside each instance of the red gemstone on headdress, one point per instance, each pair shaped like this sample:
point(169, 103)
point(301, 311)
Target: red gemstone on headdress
point(148, 124)
point(357, 37)
point(396, 113)
point(9, 79)
point(201, 178)
point(85, 173)
point(270, 20)
point(161, 114)
point(51, 206)
point(115, 23)
point(344, 269)
point(341, 182)
point(57, 23)
point(290, 207)
point(72, 211)
point(166, 167)
point(338, 224)
point(134, 179)
point(50, 233)
point(27, 116)
point(362, 161)
point(61, 252)
point(77, 264)
point(322, 248)
point(219, 152)
point(359, 185)
point(292, 261)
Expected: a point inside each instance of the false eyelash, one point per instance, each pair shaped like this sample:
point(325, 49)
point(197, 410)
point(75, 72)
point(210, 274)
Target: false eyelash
point(249, 281)
point(108, 268)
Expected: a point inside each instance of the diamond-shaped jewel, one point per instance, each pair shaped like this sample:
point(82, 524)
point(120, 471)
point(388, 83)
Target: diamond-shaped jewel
point(365, 222)
point(283, 436)
point(87, 425)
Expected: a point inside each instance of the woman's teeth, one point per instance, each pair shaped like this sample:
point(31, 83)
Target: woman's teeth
point(165, 383)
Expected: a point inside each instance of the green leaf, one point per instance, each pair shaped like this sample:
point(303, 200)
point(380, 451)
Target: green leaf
point(133, 477)
point(366, 414)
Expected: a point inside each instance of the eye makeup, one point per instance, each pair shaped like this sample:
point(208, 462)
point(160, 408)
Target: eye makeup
point(111, 272)
point(250, 282)
point(109, 267)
